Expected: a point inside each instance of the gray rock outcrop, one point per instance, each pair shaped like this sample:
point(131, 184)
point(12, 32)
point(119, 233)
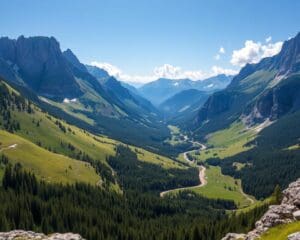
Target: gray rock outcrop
point(288, 211)
point(29, 235)
point(294, 236)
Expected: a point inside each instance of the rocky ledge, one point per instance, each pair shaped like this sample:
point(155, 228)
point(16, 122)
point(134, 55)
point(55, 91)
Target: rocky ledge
point(28, 235)
point(288, 211)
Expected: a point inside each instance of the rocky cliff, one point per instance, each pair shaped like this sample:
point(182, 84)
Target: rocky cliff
point(40, 64)
point(260, 91)
point(288, 211)
point(28, 235)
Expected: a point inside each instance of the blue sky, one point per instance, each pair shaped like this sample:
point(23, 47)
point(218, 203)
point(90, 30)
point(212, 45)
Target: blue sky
point(135, 39)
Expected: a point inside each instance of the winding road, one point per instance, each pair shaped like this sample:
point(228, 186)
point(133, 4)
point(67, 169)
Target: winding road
point(202, 169)
point(202, 183)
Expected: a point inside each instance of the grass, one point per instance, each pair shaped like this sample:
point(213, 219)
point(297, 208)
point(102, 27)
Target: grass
point(294, 147)
point(164, 162)
point(220, 186)
point(98, 147)
point(227, 142)
point(46, 165)
point(239, 166)
point(258, 203)
point(281, 232)
point(50, 135)
point(176, 136)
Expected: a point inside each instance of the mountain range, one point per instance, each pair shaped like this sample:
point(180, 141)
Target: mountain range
point(160, 90)
point(183, 104)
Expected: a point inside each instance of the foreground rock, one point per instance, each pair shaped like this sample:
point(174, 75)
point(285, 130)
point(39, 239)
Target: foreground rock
point(294, 236)
point(288, 211)
point(28, 235)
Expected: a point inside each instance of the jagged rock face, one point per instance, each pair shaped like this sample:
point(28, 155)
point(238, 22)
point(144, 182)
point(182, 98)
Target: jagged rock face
point(28, 235)
point(288, 61)
point(41, 65)
point(277, 101)
point(218, 103)
point(288, 211)
point(70, 56)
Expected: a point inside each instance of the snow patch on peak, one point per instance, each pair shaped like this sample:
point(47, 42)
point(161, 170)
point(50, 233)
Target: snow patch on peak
point(67, 100)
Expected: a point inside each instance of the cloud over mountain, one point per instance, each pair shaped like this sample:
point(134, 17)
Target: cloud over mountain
point(164, 71)
point(253, 52)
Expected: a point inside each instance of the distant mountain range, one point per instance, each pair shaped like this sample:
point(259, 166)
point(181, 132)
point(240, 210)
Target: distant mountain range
point(183, 104)
point(160, 90)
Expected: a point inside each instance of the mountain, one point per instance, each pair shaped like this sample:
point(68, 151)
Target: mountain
point(60, 83)
point(263, 91)
point(97, 72)
point(38, 63)
point(130, 99)
point(160, 90)
point(125, 93)
point(70, 56)
point(130, 87)
point(183, 102)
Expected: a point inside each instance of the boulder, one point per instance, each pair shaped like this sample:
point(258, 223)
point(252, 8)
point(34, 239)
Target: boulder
point(294, 236)
point(234, 236)
point(29, 235)
point(297, 215)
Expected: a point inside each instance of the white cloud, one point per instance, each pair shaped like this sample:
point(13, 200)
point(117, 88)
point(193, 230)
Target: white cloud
point(164, 71)
point(253, 52)
point(111, 69)
point(216, 70)
point(222, 50)
point(268, 39)
point(168, 71)
point(217, 57)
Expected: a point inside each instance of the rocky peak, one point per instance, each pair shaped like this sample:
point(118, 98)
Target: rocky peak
point(7, 49)
point(288, 60)
point(288, 211)
point(71, 57)
point(39, 62)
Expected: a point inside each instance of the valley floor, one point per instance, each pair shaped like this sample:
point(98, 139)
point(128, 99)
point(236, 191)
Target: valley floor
point(213, 184)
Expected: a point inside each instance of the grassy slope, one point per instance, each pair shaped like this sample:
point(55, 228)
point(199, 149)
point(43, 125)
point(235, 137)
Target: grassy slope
point(41, 129)
point(176, 136)
point(46, 165)
point(227, 142)
point(98, 147)
point(224, 143)
point(220, 186)
point(281, 232)
point(258, 203)
point(223, 187)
